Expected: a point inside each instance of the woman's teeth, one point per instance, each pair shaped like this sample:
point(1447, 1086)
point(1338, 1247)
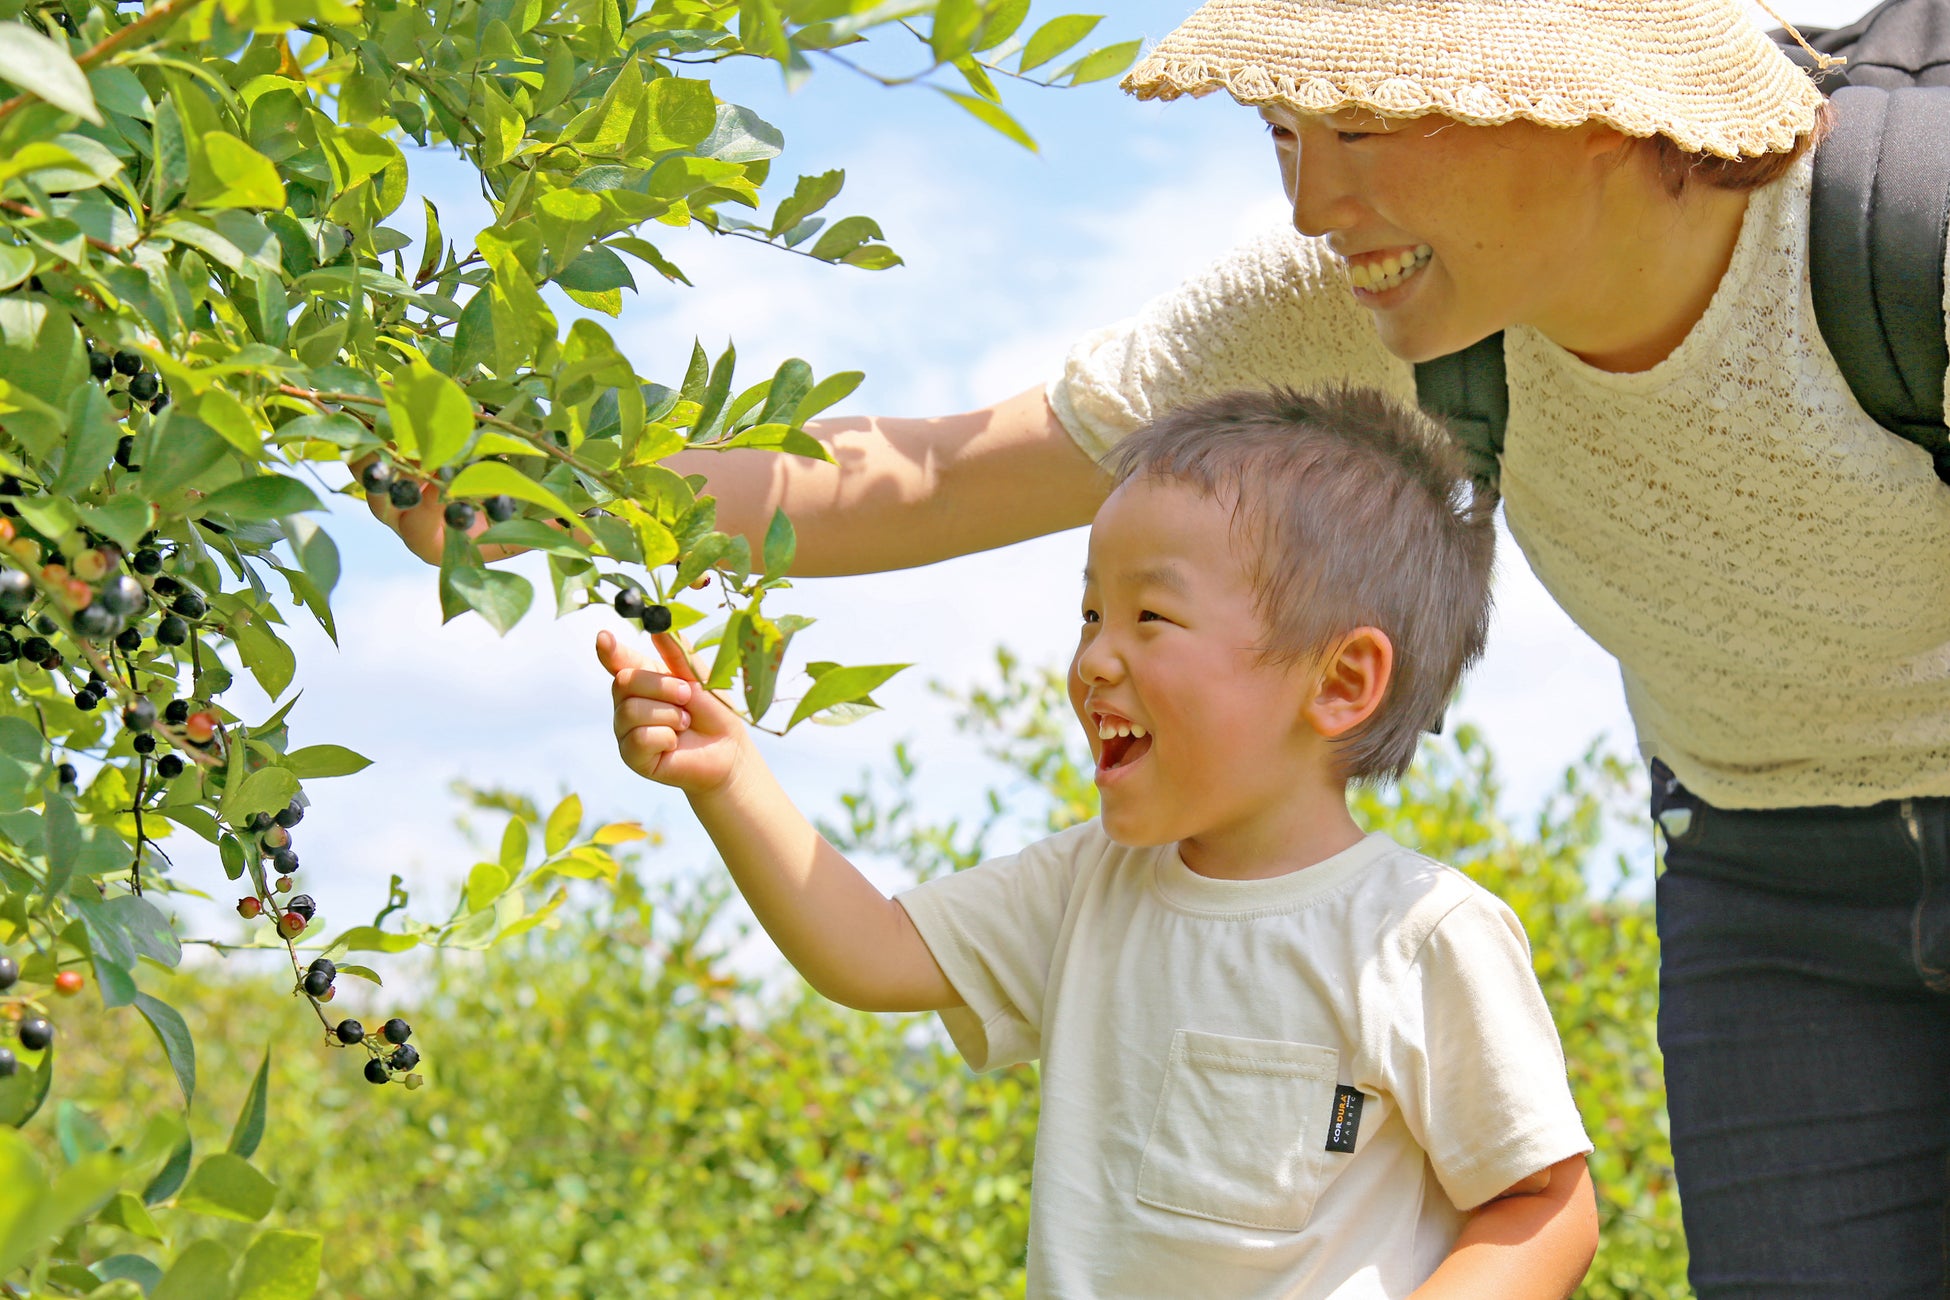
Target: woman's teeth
point(1390, 272)
point(1109, 730)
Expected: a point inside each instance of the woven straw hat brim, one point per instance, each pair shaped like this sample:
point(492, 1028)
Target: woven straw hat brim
point(1698, 71)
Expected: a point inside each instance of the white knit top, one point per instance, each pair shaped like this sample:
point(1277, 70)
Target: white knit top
point(1770, 566)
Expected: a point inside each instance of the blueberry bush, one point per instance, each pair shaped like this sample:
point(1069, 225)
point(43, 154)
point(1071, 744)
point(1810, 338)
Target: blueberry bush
point(212, 311)
point(631, 1113)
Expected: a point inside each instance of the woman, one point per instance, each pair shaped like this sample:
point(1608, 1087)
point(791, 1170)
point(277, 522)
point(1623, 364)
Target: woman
point(1622, 190)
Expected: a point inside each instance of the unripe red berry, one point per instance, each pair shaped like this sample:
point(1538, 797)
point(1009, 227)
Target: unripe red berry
point(200, 726)
point(249, 908)
point(292, 924)
point(284, 884)
point(68, 983)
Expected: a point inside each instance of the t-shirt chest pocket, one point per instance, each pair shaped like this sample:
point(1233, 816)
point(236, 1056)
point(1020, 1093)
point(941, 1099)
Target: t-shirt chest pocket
point(1240, 1133)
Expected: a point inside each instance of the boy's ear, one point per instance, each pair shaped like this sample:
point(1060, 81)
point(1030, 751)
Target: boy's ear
point(1353, 681)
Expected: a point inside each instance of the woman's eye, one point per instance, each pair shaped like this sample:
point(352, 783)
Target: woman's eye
point(1278, 132)
point(1090, 616)
point(1353, 137)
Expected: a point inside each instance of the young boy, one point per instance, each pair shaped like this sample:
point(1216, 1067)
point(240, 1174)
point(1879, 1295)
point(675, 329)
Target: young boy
point(1280, 1058)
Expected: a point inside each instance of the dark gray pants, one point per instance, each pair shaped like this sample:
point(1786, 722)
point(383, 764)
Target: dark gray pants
point(1805, 1020)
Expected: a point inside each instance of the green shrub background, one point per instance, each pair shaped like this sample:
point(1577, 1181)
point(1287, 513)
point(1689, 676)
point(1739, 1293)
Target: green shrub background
point(614, 1110)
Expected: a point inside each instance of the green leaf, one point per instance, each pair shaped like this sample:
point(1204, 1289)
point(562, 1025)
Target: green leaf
point(761, 652)
point(741, 136)
point(955, 24)
point(268, 496)
point(201, 1271)
point(432, 418)
point(1056, 36)
point(227, 173)
point(485, 883)
point(362, 972)
point(270, 660)
point(829, 392)
point(844, 236)
point(314, 761)
point(43, 67)
point(992, 115)
point(16, 264)
point(501, 125)
point(370, 938)
point(23, 1191)
point(681, 113)
point(781, 544)
point(171, 1175)
point(500, 598)
point(809, 196)
point(175, 1038)
point(514, 846)
point(92, 431)
point(21, 1095)
point(128, 1213)
point(249, 1130)
point(178, 452)
point(281, 1266)
point(1101, 65)
point(562, 825)
point(227, 1187)
point(490, 478)
point(268, 789)
point(841, 686)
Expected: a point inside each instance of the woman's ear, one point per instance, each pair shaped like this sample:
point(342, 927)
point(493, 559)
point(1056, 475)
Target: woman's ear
point(1353, 681)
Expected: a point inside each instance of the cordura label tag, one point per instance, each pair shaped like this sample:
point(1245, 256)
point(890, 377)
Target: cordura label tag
point(1346, 1123)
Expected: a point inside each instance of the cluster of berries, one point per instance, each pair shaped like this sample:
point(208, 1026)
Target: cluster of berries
point(633, 605)
point(381, 479)
point(124, 371)
point(273, 831)
point(391, 1054)
point(36, 1033)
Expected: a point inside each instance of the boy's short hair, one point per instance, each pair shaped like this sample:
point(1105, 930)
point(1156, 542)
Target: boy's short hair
point(1361, 513)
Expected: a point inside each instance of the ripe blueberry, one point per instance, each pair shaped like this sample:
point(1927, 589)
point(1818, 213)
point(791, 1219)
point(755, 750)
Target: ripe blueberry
point(144, 744)
point(284, 861)
point(123, 595)
point(260, 822)
point(166, 585)
point(100, 365)
point(9, 648)
point(396, 1030)
point(127, 362)
point(376, 1071)
point(293, 813)
point(500, 508)
point(36, 1033)
point(303, 905)
point(9, 972)
point(350, 1031)
point(657, 619)
point(404, 494)
point(67, 774)
point(16, 591)
point(172, 631)
point(129, 640)
point(190, 605)
point(376, 477)
point(45, 624)
point(162, 400)
point(169, 767)
point(459, 514)
point(86, 700)
point(36, 648)
point(176, 712)
point(144, 387)
point(147, 562)
point(630, 603)
point(124, 450)
point(97, 622)
point(405, 1058)
point(139, 716)
point(317, 983)
point(325, 964)
point(7, 1064)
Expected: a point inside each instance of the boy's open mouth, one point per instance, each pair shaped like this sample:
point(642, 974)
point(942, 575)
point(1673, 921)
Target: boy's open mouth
point(1121, 742)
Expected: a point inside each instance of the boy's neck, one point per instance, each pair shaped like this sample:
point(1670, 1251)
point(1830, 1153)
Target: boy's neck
point(1306, 827)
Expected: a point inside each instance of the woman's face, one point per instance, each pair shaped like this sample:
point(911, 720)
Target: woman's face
point(1449, 233)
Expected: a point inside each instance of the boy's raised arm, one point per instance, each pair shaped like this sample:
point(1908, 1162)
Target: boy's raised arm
point(852, 943)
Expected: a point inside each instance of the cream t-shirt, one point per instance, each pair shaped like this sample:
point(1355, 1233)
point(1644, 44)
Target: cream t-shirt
point(1193, 1033)
point(1770, 566)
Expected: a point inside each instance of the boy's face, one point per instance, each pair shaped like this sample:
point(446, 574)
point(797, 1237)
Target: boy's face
point(1170, 646)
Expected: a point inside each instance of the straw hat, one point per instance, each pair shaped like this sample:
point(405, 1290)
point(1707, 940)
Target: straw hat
point(1698, 71)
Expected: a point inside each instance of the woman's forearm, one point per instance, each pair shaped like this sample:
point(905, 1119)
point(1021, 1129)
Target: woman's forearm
point(903, 493)
point(1526, 1247)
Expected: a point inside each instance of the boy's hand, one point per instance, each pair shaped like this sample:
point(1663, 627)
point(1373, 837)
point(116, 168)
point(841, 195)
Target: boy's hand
point(668, 727)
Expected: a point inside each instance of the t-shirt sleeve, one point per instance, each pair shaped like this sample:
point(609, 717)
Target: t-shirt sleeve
point(993, 929)
point(1275, 311)
point(1475, 1059)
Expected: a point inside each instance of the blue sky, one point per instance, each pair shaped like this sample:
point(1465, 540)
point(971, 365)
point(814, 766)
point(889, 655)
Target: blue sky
point(1010, 255)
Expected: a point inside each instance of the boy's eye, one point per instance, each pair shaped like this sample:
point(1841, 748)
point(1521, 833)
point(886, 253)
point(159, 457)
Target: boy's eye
point(1353, 137)
point(1090, 616)
point(1148, 616)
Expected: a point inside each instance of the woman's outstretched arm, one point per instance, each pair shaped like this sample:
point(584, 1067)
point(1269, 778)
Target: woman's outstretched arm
point(901, 493)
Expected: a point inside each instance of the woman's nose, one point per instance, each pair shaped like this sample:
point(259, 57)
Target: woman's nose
point(1317, 186)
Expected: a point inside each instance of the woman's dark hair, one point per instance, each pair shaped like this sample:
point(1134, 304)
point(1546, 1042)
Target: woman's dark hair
point(1678, 168)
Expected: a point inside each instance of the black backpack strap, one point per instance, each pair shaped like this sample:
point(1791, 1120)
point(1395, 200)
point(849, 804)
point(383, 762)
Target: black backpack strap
point(1879, 222)
point(1470, 392)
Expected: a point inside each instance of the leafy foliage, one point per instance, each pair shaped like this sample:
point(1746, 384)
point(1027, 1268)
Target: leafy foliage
point(212, 311)
point(626, 1114)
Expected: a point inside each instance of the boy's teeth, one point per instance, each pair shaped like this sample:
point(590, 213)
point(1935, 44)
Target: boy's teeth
point(1137, 732)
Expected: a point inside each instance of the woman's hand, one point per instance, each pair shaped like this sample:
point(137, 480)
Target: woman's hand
point(669, 728)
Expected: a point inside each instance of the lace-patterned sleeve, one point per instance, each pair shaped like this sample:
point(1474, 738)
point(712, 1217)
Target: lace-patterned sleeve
point(1273, 311)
